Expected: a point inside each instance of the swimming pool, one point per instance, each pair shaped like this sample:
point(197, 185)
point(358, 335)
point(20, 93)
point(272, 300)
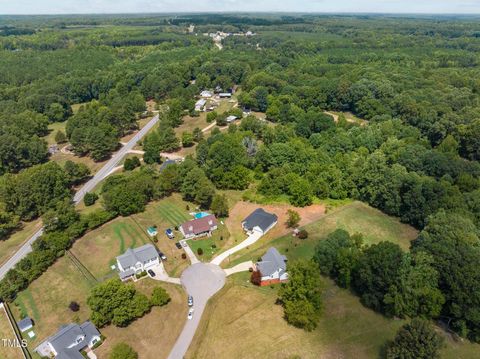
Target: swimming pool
point(201, 214)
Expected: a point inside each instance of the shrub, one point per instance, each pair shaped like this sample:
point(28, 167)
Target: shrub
point(303, 234)
point(160, 297)
point(123, 351)
point(200, 251)
point(293, 218)
point(131, 163)
point(256, 277)
point(184, 256)
point(90, 199)
point(74, 306)
point(60, 137)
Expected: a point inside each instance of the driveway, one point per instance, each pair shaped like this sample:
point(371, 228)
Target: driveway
point(201, 281)
point(242, 267)
point(247, 242)
point(193, 258)
point(162, 275)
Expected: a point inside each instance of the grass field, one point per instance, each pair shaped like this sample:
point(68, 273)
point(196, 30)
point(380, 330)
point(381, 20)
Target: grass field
point(211, 246)
point(153, 335)
point(46, 300)
point(9, 246)
point(356, 217)
point(6, 332)
point(254, 326)
point(98, 250)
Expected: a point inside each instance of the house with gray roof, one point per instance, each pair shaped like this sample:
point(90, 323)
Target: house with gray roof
point(259, 221)
point(137, 260)
point(69, 341)
point(272, 267)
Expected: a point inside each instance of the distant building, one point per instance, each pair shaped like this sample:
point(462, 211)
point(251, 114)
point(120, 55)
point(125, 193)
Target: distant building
point(206, 94)
point(231, 119)
point(199, 227)
point(272, 268)
point(225, 95)
point(69, 341)
point(200, 104)
point(137, 260)
point(259, 221)
point(166, 164)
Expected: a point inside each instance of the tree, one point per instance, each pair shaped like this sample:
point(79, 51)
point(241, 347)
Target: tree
point(117, 303)
point(123, 351)
point(152, 148)
point(415, 340)
point(256, 277)
point(168, 141)
point(219, 205)
point(300, 192)
point(160, 297)
point(293, 218)
point(76, 172)
point(90, 198)
point(212, 116)
point(187, 139)
point(60, 217)
point(197, 134)
point(301, 295)
point(131, 163)
point(60, 137)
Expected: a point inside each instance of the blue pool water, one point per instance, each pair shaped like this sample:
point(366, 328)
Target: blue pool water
point(201, 214)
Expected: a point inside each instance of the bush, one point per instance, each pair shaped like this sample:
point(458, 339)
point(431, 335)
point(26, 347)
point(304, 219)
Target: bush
point(123, 351)
point(74, 306)
point(256, 277)
point(303, 234)
point(159, 297)
point(200, 251)
point(60, 137)
point(184, 256)
point(293, 218)
point(90, 198)
point(131, 163)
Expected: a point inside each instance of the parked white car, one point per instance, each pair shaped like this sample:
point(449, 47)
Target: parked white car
point(190, 314)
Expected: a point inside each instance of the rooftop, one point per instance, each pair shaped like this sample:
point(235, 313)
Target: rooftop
point(259, 218)
point(271, 262)
point(141, 254)
point(199, 225)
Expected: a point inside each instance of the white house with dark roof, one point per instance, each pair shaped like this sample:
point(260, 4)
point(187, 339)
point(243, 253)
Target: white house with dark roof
point(272, 267)
point(69, 341)
point(137, 260)
point(259, 221)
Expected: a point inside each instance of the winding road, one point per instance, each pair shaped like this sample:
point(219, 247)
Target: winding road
point(87, 187)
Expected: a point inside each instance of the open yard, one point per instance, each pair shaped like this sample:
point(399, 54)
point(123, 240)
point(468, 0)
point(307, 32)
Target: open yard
point(153, 335)
point(356, 217)
point(98, 250)
point(6, 332)
point(46, 300)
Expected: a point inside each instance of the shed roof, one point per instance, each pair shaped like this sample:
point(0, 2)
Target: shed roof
point(25, 324)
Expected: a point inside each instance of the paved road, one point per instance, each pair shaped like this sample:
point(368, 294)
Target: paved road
point(89, 186)
point(201, 281)
point(247, 242)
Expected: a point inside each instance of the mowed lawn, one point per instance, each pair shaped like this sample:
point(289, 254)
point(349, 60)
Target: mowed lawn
point(46, 300)
point(97, 250)
point(153, 335)
point(6, 332)
point(356, 217)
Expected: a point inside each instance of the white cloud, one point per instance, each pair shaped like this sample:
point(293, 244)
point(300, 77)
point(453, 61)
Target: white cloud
point(145, 6)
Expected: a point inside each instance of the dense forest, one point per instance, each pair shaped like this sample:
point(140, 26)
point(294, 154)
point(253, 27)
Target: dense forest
point(414, 82)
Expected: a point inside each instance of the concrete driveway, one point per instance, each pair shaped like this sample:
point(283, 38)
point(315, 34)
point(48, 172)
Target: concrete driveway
point(193, 258)
point(242, 267)
point(162, 275)
point(201, 281)
point(247, 242)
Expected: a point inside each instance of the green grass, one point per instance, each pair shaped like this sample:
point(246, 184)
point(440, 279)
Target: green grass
point(356, 217)
point(172, 213)
point(218, 240)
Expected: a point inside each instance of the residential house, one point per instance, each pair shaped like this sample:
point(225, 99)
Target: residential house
point(137, 260)
point(259, 221)
point(200, 104)
point(69, 341)
point(199, 227)
point(272, 268)
point(231, 118)
point(206, 94)
point(25, 324)
point(225, 95)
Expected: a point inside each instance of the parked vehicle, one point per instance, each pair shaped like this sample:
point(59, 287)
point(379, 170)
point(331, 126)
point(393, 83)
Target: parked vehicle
point(190, 301)
point(184, 243)
point(151, 272)
point(190, 314)
point(170, 233)
point(179, 246)
point(163, 256)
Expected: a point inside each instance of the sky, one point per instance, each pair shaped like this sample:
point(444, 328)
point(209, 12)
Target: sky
point(159, 6)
